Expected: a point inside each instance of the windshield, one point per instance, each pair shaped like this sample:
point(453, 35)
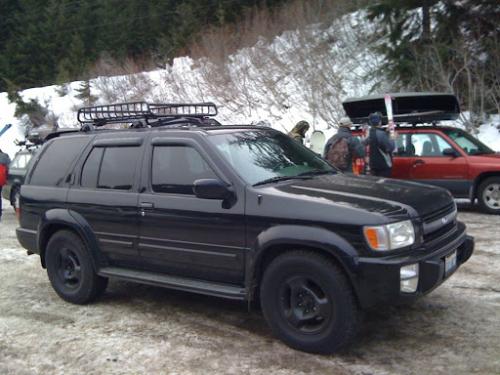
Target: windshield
point(260, 156)
point(468, 143)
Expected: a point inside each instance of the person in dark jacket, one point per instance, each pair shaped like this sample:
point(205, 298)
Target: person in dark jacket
point(4, 165)
point(356, 149)
point(381, 147)
point(299, 131)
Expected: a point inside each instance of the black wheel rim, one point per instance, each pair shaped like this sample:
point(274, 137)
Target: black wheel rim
point(305, 305)
point(69, 268)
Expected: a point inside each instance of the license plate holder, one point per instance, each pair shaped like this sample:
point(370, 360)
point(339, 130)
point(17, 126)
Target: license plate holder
point(450, 263)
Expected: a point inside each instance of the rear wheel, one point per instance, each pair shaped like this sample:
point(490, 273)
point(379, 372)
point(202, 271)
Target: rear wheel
point(489, 195)
point(308, 302)
point(70, 269)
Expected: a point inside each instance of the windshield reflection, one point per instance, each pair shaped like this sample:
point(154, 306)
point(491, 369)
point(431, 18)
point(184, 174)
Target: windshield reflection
point(261, 156)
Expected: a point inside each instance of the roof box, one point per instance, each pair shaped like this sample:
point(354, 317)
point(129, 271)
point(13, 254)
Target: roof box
point(414, 107)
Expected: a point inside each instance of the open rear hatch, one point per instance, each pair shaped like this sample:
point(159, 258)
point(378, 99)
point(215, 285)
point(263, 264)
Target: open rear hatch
point(407, 107)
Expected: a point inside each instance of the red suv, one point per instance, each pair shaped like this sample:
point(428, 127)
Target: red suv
point(439, 155)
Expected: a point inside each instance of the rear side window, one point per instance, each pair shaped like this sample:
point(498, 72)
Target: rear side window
point(176, 168)
point(110, 168)
point(90, 170)
point(55, 161)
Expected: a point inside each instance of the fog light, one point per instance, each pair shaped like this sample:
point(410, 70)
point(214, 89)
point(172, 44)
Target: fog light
point(409, 278)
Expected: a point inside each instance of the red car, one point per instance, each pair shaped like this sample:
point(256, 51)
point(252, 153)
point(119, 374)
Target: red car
point(439, 155)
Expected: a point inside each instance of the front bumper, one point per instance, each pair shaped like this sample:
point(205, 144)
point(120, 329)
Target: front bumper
point(378, 280)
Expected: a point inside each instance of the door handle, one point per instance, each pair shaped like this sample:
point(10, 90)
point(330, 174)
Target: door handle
point(418, 162)
point(146, 205)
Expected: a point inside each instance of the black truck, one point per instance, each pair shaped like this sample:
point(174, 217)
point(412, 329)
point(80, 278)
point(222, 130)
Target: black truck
point(238, 212)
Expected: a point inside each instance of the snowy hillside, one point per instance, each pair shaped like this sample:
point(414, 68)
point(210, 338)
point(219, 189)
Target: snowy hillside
point(299, 75)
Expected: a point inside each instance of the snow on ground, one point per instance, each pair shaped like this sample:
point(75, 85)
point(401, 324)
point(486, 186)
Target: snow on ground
point(138, 329)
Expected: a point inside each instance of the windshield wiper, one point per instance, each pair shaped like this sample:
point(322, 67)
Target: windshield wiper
point(317, 172)
point(281, 178)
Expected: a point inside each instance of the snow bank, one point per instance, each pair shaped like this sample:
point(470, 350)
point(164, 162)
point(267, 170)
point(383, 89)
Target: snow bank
point(299, 75)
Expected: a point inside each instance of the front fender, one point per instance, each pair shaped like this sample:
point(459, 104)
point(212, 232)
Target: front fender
point(302, 236)
point(61, 218)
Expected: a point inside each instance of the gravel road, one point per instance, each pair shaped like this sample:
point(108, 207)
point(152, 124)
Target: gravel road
point(136, 329)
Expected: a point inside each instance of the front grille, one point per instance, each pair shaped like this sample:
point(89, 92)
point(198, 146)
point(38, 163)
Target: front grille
point(444, 230)
point(439, 213)
point(440, 223)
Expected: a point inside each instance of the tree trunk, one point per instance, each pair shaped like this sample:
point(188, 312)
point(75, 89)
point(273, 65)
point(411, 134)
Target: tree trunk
point(426, 21)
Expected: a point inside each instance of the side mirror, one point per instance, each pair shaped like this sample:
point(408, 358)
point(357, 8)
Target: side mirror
point(450, 152)
point(211, 189)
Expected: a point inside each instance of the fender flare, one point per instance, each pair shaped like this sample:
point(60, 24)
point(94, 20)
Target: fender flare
point(301, 236)
point(65, 218)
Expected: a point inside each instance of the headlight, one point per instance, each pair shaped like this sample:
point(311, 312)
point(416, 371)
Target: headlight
point(391, 236)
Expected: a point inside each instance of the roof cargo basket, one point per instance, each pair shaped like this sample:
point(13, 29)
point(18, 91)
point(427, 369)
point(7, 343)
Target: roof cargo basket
point(151, 113)
point(184, 110)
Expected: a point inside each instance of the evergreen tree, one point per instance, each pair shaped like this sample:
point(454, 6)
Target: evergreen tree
point(442, 45)
point(85, 94)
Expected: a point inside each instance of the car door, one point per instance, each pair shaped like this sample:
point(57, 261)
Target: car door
point(431, 165)
point(106, 195)
point(402, 157)
point(181, 234)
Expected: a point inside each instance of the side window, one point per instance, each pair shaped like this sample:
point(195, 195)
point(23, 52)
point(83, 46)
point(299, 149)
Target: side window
point(175, 169)
point(429, 144)
point(110, 168)
point(55, 161)
point(91, 168)
point(403, 146)
point(118, 168)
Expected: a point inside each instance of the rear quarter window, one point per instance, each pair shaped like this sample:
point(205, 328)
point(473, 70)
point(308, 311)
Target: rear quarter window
point(56, 160)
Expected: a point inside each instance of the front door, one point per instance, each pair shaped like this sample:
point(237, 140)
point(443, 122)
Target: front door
point(430, 165)
point(403, 157)
point(181, 234)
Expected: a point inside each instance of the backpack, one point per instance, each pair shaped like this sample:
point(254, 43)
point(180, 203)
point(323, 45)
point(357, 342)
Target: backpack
point(338, 154)
point(3, 174)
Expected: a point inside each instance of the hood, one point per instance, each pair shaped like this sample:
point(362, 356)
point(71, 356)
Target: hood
point(394, 199)
point(492, 160)
point(407, 107)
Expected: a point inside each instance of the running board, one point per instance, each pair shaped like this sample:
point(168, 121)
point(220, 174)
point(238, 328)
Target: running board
point(175, 282)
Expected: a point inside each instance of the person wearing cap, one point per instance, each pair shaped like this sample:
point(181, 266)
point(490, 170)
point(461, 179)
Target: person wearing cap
point(381, 147)
point(354, 147)
point(299, 131)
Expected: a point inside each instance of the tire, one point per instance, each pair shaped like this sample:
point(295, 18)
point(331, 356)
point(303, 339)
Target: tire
point(70, 269)
point(307, 301)
point(488, 195)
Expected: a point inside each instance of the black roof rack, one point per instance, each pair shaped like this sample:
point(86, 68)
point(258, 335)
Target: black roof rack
point(154, 114)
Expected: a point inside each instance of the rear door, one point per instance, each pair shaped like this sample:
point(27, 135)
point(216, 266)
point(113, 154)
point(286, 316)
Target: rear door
point(106, 195)
point(181, 234)
point(430, 165)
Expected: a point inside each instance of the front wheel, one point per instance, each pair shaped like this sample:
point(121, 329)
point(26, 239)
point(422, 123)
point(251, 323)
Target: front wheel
point(489, 195)
point(308, 302)
point(70, 269)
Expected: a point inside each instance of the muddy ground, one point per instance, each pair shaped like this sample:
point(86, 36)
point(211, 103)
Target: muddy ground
point(136, 329)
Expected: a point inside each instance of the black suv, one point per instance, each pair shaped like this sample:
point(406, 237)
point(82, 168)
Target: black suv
point(239, 212)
